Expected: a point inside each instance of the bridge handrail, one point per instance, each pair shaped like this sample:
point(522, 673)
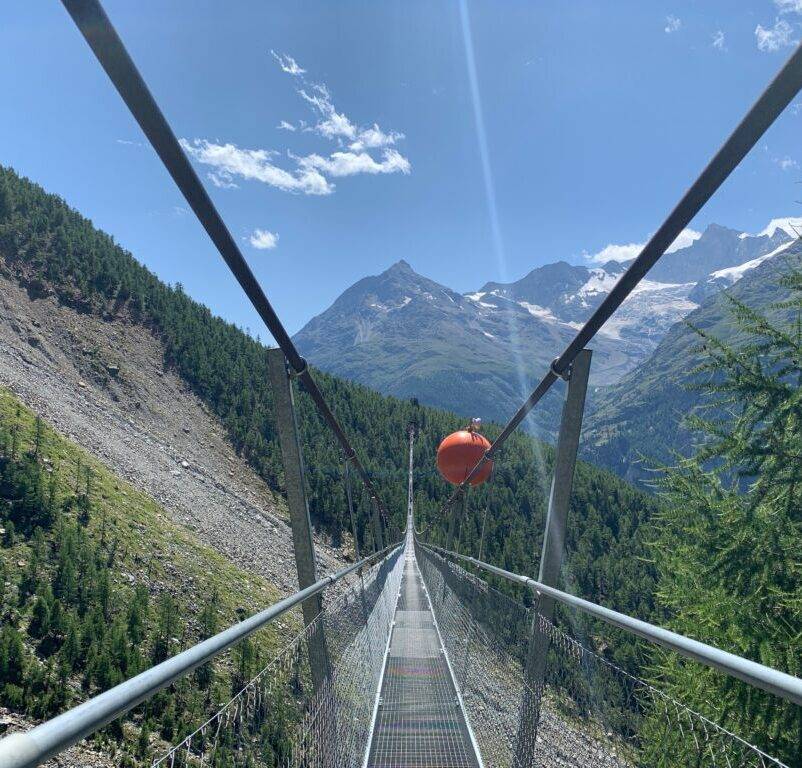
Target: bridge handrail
point(778, 683)
point(33, 747)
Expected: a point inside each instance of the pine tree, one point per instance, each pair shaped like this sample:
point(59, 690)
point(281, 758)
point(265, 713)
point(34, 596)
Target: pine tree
point(208, 623)
point(244, 658)
point(727, 546)
point(3, 578)
point(38, 437)
point(165, 629)
point(65, 581)
point(143, 741)
point(71, 647)
point(137, 615)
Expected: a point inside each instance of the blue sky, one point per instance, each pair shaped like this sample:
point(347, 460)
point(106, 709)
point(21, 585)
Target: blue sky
point(475, 140)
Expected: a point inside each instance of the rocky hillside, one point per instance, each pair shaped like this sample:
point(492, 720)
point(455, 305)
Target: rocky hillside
point(98, 582)
point(177, 401)
point(102, 383)
point(128, 365)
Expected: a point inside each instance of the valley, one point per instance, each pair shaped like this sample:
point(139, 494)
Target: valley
point(176, 401)
point(640, 422)
point(541, 511)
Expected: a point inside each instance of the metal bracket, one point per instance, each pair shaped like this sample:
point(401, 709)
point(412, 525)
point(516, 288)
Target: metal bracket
point(293, 374)
point(565, 375)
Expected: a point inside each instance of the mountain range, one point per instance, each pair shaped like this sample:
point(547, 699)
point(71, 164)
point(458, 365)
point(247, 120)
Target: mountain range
point(480, 353)
point(639, 421)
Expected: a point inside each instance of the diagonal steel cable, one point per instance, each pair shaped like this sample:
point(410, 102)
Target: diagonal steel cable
point(97, 29)
point(777, 96)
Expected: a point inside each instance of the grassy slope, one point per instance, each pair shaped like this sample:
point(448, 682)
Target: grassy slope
point(151, 549)
point(50, 249)
point(151, 545)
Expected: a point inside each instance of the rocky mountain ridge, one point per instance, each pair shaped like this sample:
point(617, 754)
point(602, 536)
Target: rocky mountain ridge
point(481, 352)
point(637, 423)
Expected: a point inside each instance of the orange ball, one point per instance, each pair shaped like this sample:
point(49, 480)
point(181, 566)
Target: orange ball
point(459, 453)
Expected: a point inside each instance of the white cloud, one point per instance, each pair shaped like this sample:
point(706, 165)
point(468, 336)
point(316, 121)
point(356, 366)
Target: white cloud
point(351, 163)
point(338, 126)
point(789, 6)
point(320, 98)
point(615, 253)
point(263, 240)
point(685, 238)
point(333, 125)
point(374, 138)
point(796, 108)
point(128, 143)
point(672, 24)
point(786, 163)
point(719, 41)
point(620, 252)
point(774, 38)
point(287, 63)
point(229, 162)
point(222, 180)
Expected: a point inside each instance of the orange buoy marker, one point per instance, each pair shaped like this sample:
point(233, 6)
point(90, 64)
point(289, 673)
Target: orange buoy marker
point(460, 452)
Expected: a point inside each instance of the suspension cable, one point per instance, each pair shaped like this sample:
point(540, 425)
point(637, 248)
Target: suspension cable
point(99, 33)
point(490, 486)
point(777, 96)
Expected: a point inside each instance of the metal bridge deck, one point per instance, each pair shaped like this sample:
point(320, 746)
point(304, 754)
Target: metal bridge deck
point(420, 721)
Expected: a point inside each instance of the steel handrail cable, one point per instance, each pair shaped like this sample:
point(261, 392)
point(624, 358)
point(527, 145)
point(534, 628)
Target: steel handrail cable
point(30, 748)
point(774, 99)
point(99, 33)
point(758, 675)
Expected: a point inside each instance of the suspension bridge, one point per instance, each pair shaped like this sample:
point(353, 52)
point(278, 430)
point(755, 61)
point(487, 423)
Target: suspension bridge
point(418, 655)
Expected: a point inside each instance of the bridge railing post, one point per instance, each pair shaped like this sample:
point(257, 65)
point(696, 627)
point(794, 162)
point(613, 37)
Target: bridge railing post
point(303, 544)
point(350, 501)
point(552, 554)
point(378, 528)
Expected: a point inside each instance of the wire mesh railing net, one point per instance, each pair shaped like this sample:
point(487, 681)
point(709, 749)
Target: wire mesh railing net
point(574, 709)
point(281, 717)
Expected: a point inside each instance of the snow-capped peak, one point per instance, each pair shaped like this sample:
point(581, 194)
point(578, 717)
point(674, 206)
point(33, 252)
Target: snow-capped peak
point(733, 274)
point(475, 296)
point(791, 225)
point(598, 282)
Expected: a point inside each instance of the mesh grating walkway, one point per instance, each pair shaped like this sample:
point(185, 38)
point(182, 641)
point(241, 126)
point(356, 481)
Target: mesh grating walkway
point(419, 721)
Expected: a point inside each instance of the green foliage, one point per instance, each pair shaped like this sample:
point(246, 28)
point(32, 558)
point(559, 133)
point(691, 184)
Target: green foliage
point(13, 662)
point(50, 247)
point(75, 633)
point(729, 561)
point(204, 675)
point(70, 626)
